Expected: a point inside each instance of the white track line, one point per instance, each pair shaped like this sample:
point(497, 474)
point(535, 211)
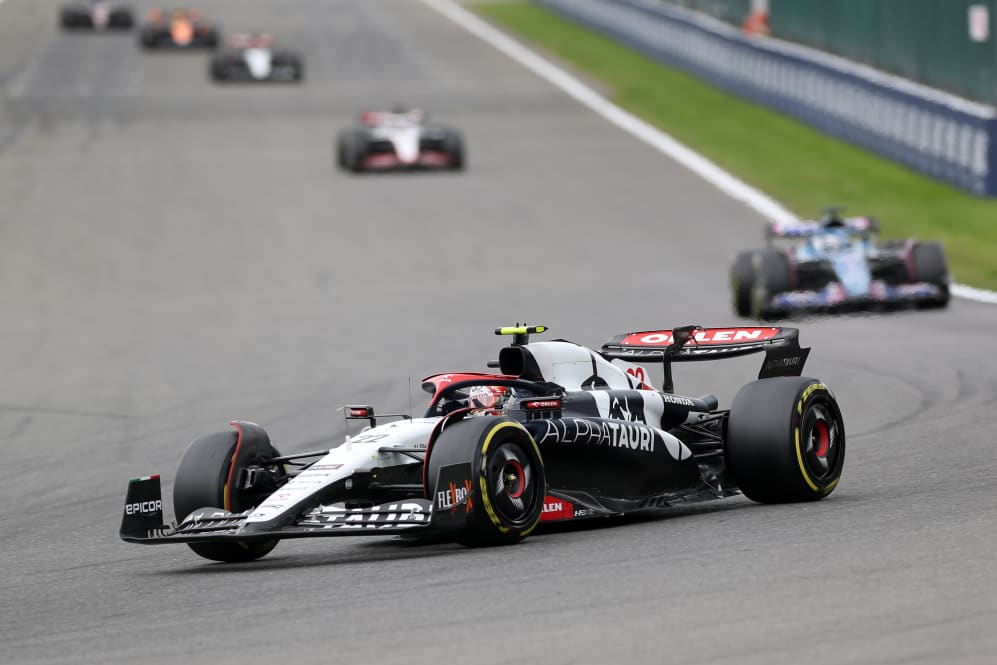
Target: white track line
point(698, 164)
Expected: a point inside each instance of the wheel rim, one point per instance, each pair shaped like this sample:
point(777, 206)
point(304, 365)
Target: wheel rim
point(822, 442)
point(511, 479)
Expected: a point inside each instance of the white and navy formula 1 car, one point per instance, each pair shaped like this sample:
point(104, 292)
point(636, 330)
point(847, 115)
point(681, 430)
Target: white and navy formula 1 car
point(252, 58)
point(399, 139)
point(562, 433)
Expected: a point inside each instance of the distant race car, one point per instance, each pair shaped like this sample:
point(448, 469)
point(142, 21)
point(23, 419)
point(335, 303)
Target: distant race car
point(252, 58)
point(835, 263)
point(399, 139)
point(563, 433)
point(178, 29)
point(96, 15)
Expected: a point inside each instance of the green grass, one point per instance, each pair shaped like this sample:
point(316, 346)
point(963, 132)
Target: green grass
point(799, 167)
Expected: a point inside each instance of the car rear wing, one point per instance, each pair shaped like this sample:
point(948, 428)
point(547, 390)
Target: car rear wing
point(783, 354)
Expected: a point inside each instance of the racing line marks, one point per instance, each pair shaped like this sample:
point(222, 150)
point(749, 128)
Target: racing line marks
point(667, 145)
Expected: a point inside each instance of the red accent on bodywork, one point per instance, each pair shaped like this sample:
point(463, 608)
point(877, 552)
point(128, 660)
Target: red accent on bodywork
point(659, 338)
point(381, 160)
point(437, 428)
point(909, 260)
point(557, 510)
point(542, 404)
point(435, 158)
point(441, 381)
point(227, 490)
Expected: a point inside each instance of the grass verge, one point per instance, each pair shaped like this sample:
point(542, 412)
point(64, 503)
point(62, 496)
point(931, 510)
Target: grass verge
point(798, 166)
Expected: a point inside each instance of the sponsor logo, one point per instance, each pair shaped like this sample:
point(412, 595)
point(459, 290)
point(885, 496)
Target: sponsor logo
point(543, 404)
point(144, 507)
point(621, 408)
point(668, 398)
point(557, 509)
point(327, 467)
point(454, 496)
point(708, 336)
point(600, 433)
point(381, 517)
point(792, 361)
point(212, 520)
point(298, 482)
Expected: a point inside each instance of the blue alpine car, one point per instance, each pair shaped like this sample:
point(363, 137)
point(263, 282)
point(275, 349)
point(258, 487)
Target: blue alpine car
point(836, 263)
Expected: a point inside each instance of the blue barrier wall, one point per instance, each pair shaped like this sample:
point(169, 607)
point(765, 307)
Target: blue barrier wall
point(938, 134)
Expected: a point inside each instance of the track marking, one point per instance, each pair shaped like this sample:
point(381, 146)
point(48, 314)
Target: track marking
point(667, 145)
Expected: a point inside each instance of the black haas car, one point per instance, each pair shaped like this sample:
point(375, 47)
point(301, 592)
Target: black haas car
point(97, 16)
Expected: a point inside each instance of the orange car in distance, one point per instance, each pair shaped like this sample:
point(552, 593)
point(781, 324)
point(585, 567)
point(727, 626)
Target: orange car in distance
point(178, 28)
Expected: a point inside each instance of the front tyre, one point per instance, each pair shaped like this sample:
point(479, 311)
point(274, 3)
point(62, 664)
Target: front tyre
point(453, 145)
point(742, 280)
point(507, 481)
point(785, 440)
point(212, 473)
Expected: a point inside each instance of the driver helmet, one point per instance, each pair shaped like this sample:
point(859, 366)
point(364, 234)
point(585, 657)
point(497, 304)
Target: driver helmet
point(491, 398)
point(831, 242)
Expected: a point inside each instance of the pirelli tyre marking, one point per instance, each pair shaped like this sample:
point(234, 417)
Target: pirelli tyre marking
point(815, 435)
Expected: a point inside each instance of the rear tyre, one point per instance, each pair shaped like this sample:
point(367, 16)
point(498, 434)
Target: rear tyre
point(742, 279)
point(507, 485)
point(930, 266)
point(785, 440)
point(208, 466)
point(771, 277)
point(293, 62)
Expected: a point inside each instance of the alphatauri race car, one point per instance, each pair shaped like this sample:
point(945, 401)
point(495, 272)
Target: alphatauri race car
point(399, 139)
point(178, 29)
point(833, 264)
point(96, 15)
point(253, 58)
point(562, 433)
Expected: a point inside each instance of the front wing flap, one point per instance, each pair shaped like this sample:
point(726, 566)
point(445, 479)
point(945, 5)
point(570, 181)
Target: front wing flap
point(834, 295)
point(142, 520)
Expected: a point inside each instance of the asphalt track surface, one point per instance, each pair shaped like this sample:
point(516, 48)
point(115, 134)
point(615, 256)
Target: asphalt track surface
point(174, 255)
